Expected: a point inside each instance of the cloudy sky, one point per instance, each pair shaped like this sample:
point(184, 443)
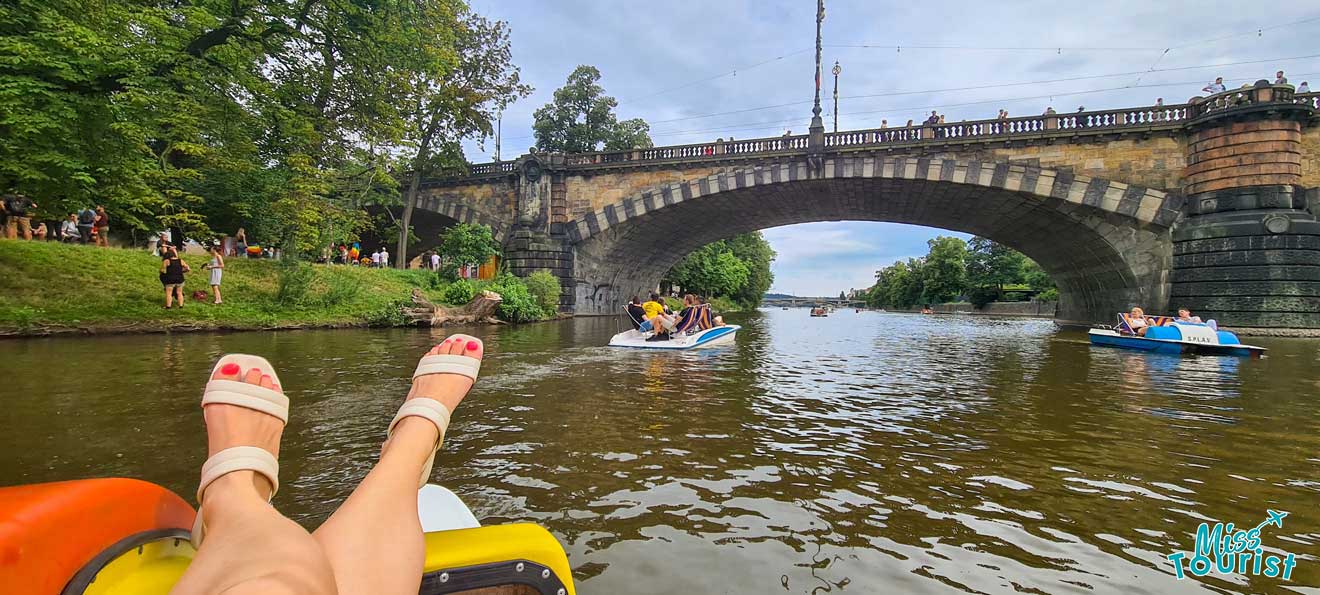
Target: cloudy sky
point(701, 69)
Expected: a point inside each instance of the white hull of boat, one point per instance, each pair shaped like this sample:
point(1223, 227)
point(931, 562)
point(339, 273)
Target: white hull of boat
point(711, 337)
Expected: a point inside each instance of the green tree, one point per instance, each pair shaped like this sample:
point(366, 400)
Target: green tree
point(943, 274)
point(712, 270)
point(754, 252)
point(281, 116)
point(581, 119)
point(991, 264)
point(1036, 277)
point(908, 285)
point(444, 105)
point(466, 244)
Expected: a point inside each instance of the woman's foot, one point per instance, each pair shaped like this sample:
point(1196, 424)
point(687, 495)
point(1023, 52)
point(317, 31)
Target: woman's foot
point(448, 389)
point(228, 426)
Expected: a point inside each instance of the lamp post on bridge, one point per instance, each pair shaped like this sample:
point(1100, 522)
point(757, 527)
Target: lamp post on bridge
point(499, 120)
point(816, 133)
point(836, 70)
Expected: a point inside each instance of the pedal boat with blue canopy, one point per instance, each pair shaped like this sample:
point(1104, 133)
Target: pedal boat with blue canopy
point(1167, 335)
point(694, 330)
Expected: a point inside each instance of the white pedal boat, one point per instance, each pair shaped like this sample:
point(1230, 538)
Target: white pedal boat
point(711, 337)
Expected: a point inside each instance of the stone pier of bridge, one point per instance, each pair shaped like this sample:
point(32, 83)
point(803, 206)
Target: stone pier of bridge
point(1209, 205)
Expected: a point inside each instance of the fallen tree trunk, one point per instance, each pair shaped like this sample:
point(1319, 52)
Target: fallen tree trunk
point(480, 309)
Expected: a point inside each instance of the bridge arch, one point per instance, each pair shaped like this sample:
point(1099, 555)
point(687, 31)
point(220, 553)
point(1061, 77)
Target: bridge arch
point(434, 214)
point(1106, 244)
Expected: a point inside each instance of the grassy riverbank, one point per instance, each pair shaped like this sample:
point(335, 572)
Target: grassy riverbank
point(51, 288)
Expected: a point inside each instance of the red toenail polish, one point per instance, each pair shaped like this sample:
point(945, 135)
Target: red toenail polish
point(229, 369)
point(473, 345)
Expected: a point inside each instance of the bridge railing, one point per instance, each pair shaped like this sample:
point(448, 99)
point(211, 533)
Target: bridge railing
point(495, 167)
point(1155, 116)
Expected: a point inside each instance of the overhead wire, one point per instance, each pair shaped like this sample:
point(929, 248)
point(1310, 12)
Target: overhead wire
point(912, 109)
point(1135, 84)
point(983, 87)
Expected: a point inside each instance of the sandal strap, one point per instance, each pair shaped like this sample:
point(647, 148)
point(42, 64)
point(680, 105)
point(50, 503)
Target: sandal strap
point(250, 396)
point(448, 364)
point(239, 458)
point(433, 411)
point(426, 408)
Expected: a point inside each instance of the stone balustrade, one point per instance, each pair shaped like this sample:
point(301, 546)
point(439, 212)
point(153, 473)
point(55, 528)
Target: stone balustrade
point(1137, 119)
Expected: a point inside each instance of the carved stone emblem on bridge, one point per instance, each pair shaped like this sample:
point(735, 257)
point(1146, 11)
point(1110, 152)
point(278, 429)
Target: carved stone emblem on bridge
point(533, 194)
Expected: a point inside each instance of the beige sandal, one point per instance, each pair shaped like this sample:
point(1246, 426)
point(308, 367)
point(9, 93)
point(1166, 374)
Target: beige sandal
point(431, 409)
point(241, 458)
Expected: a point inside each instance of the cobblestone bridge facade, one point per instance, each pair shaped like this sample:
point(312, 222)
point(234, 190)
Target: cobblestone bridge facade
point(1209, 204)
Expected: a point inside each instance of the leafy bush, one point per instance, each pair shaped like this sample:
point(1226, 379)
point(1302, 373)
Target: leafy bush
point(544, 287)
point(390, 314)
point(721, 305)
point(459, 292)
point(980, 296)
point(518, 304)
point(1049, 295)
point(295, 280)
point(341, 290)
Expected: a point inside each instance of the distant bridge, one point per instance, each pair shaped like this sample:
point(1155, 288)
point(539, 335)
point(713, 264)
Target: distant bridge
point(1209, 204)
point(796, 301)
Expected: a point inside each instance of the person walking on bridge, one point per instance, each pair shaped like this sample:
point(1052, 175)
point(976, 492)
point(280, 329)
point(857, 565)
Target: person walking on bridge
point(1215, 87)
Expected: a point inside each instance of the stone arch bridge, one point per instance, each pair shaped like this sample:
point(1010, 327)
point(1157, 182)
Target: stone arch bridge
point(1209, 204)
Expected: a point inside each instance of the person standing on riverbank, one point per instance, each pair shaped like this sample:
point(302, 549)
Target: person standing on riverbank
point(217, 268)
point(102, 227)
point(19, 208)
point(172, 269)
point(384, 258)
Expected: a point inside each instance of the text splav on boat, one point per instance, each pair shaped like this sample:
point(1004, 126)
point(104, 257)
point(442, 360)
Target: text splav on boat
point(1176, 337)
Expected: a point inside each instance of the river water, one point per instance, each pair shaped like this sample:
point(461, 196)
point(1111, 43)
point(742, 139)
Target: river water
point(862, 453)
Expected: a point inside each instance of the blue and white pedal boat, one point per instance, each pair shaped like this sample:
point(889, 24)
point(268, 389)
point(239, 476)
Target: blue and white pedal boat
point(1177, 337)
point(711, 337)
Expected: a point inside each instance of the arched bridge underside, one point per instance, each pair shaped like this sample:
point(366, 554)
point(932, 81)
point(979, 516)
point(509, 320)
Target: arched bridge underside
point(1106, 244)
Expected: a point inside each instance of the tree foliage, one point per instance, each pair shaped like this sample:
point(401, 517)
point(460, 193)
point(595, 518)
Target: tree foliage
point(285, 117)
point(581, 119)
point(943, 276)
point(443, 105)
point(979, 270)
point(466, 244)
point(737, 268)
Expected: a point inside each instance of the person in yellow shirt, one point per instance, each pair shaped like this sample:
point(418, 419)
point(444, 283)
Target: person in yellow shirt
point(657, 317)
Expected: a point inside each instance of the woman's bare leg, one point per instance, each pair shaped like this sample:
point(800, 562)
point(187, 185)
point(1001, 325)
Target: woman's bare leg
point(249, 547)
point(169, 297)
point(374, 541)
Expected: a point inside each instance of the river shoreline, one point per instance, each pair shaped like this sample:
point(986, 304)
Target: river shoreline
point(49, 289)
point(150, 328)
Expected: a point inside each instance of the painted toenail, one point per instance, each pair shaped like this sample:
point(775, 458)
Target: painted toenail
point(229, 369)
point(473, 345)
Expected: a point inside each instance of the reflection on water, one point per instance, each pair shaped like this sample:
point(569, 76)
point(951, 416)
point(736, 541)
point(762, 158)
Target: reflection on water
point(861, 452)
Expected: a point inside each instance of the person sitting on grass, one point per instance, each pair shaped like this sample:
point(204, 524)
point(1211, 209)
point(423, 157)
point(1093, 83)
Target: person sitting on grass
point(69, 229)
